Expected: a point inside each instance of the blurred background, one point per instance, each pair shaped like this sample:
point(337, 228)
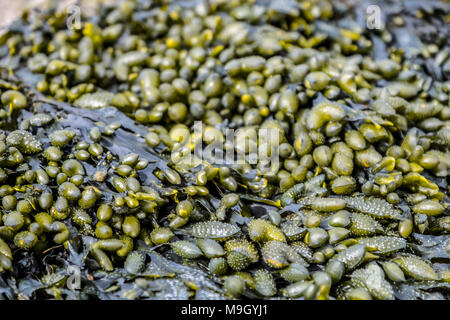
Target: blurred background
point(12, 9)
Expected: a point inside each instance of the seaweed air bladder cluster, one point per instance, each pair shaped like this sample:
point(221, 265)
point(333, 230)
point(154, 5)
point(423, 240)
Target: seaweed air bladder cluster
point(226, 150)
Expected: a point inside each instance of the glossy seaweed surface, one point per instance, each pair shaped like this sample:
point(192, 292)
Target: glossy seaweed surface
point(97, 121)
